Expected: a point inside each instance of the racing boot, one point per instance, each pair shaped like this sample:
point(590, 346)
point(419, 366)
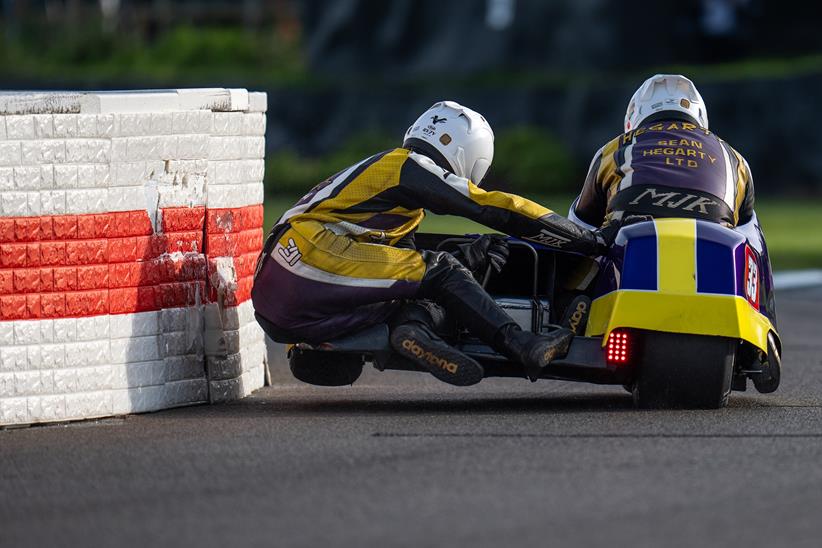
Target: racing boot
point(450, 284)
point(534, 352)
point(576, 314)
point(413, 337)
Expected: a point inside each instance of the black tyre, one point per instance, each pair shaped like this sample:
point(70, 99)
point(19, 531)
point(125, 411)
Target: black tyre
point(684, 371)
point(325, 368)
point(768, 381)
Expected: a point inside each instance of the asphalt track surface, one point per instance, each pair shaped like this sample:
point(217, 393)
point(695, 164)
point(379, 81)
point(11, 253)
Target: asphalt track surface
point(402, 460)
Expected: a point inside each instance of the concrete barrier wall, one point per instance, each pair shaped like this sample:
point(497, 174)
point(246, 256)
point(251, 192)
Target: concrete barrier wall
point(130, 224)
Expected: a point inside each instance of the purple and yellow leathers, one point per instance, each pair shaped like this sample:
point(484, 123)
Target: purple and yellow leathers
point(687, 276)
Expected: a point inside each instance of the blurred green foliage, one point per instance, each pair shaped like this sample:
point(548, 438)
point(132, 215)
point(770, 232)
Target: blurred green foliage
point(526, 159)
point(287, 172)
point(183, 54)
point(531, 159)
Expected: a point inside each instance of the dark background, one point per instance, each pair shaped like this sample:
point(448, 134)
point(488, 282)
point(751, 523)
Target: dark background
point(552, 77)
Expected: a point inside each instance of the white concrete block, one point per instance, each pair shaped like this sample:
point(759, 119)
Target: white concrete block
point(140, 324)
point(87, 125)
point(125, 198)
point(65, 176)
point(174, 344)
point(87, 353)
point(120, 402)
point(257, 101)
point(6, 333)
point(227, 123)
point(186, 392)
point(192, 147)
point(187, 167)
point(14, 411)
point(53, 408)
point(34, 208)
point(86, 329)
point(43, 126)
point(161, 123)
point(128, 173)
point(147, 398)
point(26, 332)
point(2, 128)
point(152, 373)
point(88, 150)
point(15, 204)
point(184, 367)
point(52, 151)
point(134, 124)
point(65, 329)
point(46, 176)
point(65, 125)
point(173, 319)
point(85, 176)
point(119, 149)
point(236, 195)
point(88, 405)
point(46, 331)
point(53, 202)
point(254, 123)
point(87, 201)
point(10, 154)
point(107, 125)
point(7, 387)
point(188, 191)
point(19, 127)
point(27, 383)
point(65, 381)
point(102, 175)
point(255, 148)
point(34, 356)
point(53, 355)
point(135, 349)
point(46, 382)
point(93, 379)
point(201, 122)
point(6, 178)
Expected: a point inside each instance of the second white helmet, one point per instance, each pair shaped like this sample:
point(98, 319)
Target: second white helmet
point(663, 92)
point(461, 135)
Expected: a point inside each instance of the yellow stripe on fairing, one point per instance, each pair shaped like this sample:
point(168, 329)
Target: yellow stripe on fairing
point(699, 314)
point(676, 252)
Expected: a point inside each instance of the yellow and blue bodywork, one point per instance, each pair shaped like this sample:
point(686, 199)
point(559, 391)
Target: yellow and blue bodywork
point(686, 276)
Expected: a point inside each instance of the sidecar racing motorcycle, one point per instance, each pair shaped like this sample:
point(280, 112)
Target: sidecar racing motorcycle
point(681, 313)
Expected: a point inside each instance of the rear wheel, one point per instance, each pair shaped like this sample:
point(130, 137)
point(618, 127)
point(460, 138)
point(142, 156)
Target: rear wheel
point(325, 368)
point(684, 371)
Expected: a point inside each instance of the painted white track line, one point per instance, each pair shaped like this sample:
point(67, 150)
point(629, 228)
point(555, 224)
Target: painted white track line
point(795, 279)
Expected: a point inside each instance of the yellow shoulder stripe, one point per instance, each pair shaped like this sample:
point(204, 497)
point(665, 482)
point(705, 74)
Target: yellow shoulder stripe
point(509, 202)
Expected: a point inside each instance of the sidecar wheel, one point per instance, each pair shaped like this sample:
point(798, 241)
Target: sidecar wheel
point(768, 381)
point(325, 368)
point(684, 371)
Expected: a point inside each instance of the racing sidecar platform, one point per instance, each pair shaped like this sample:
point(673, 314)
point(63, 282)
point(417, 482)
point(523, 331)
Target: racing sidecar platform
point(586, 360)
point(682, 312)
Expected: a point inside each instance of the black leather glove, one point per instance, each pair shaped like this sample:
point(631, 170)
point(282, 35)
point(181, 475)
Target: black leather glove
point(488, 249)
point(607, 234)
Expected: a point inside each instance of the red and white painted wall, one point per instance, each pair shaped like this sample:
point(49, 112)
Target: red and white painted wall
point(130, 224)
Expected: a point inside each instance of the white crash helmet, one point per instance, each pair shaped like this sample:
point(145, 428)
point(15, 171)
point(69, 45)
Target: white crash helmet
point(665, 92)
point(462, 136)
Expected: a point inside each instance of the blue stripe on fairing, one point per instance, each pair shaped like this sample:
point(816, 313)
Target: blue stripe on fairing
point(639, 270)
point(715, 265)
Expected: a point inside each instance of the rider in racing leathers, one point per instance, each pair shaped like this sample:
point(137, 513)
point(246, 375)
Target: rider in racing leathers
point(666, 164)
point(343, 258)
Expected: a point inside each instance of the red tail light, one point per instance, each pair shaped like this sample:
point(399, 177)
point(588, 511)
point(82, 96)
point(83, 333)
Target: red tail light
point(618, 347)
